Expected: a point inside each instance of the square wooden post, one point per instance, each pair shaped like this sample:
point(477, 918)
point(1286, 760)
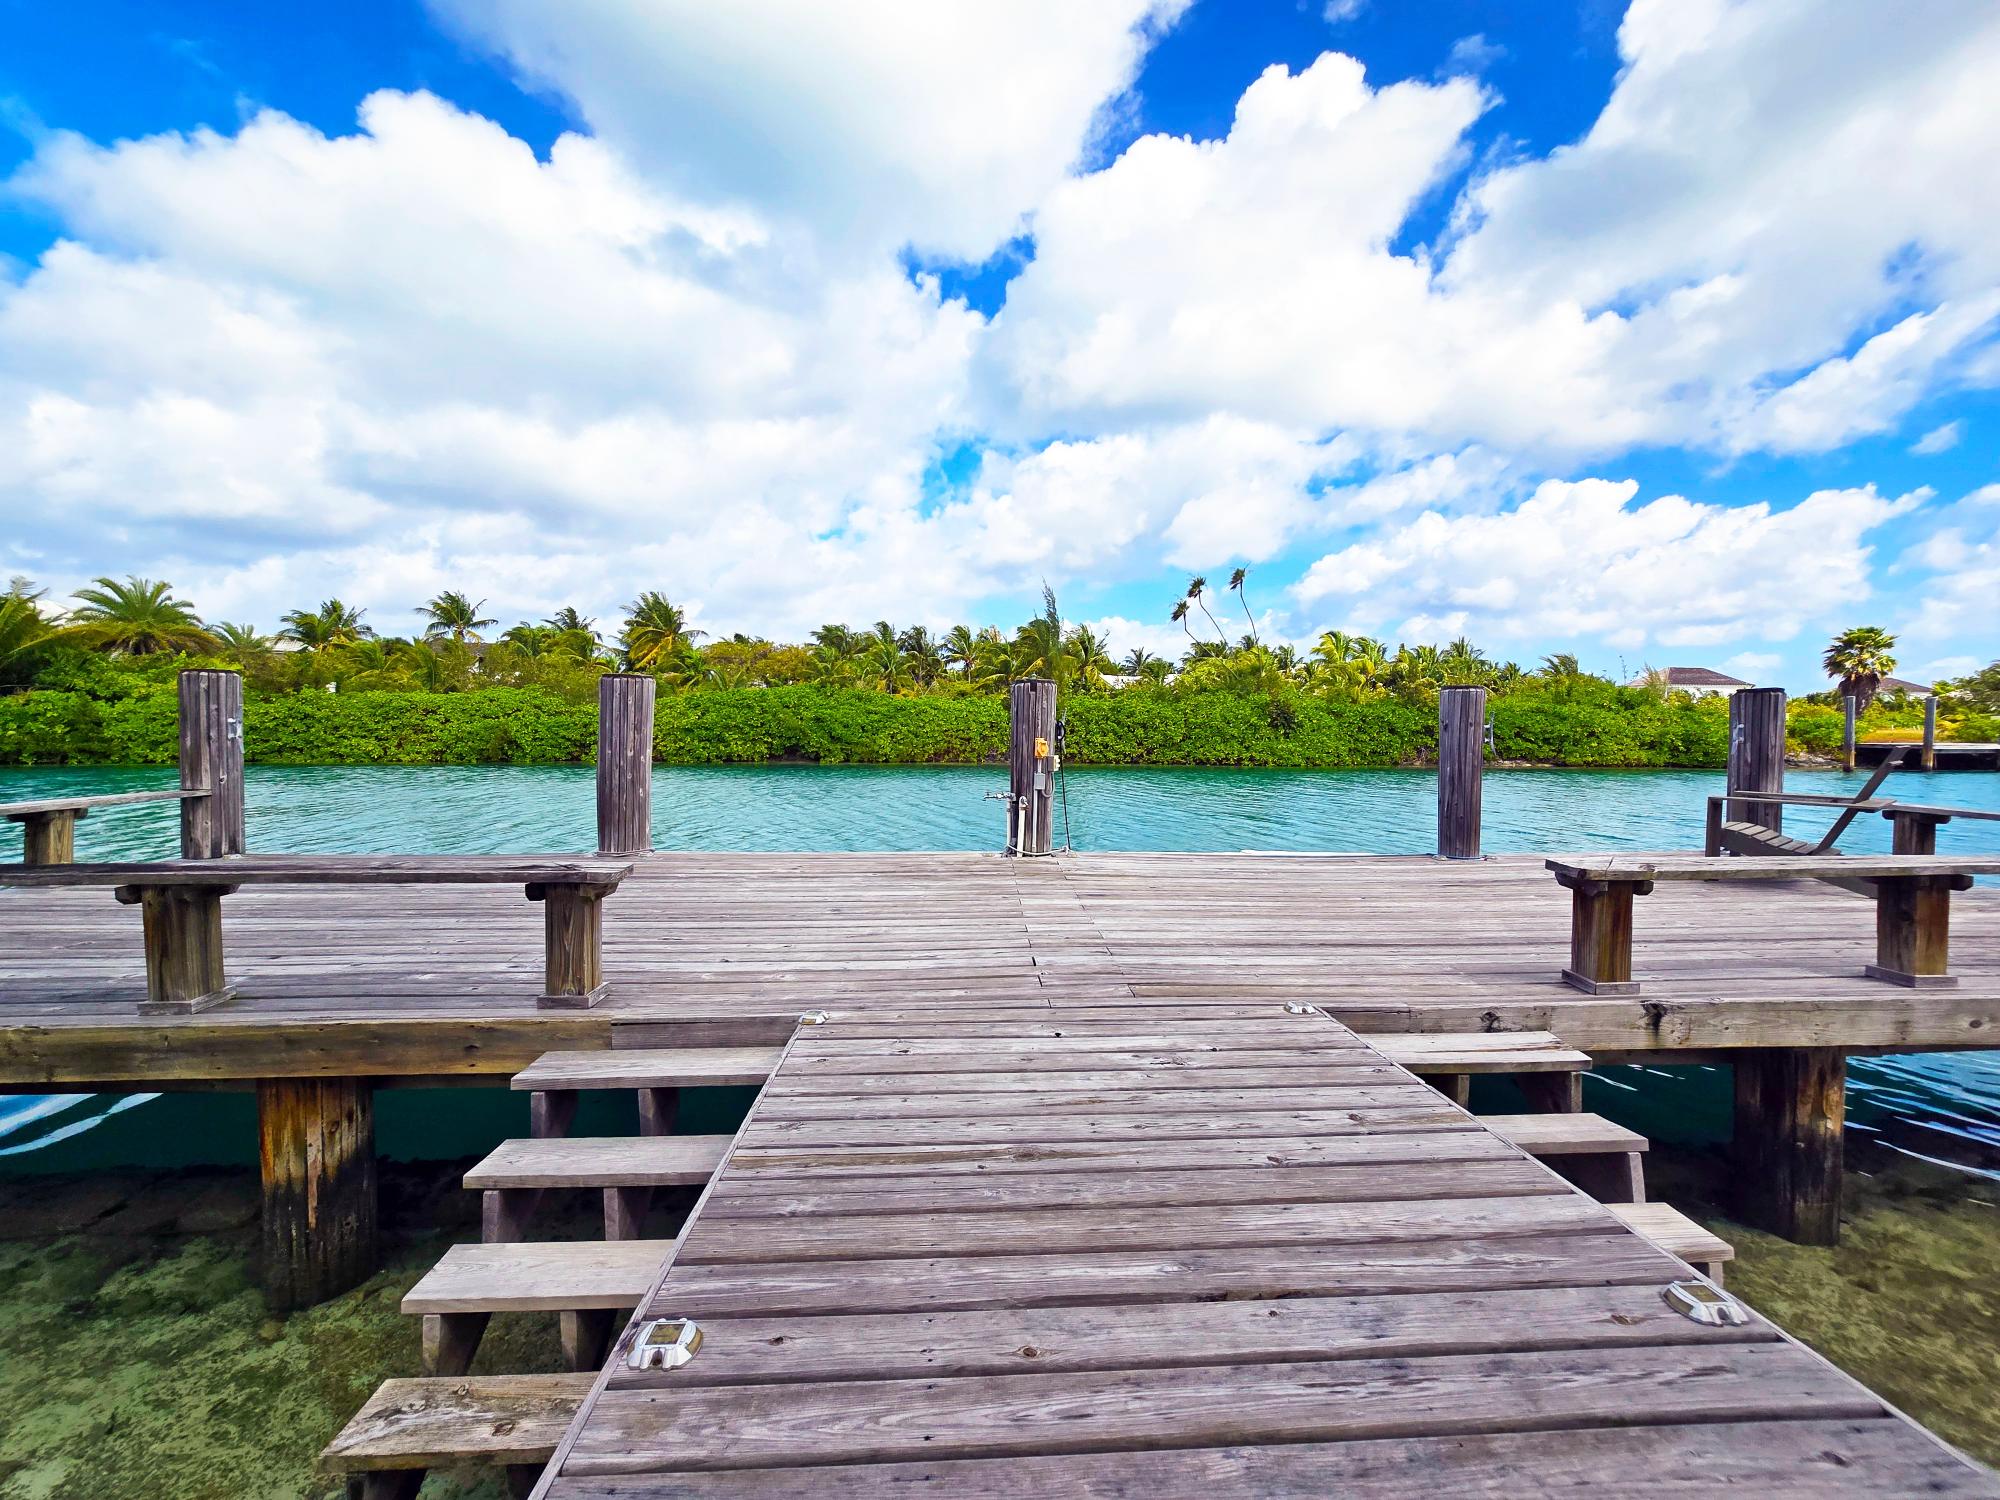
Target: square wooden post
point(1600, 934)
point(183, 925)
point(316, 1147)
point(1913, 832)
point(48, 838)
point(1929, 755)
point(211, 757)
point(1913, 930)
point(573, 925)
point(1791, 1104)
point(1847, 732)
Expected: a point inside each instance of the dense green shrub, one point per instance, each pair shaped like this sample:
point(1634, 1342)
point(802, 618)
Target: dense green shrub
point(1140, 726)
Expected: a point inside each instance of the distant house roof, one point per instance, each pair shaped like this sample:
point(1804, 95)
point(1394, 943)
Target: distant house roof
point(1903, 685)
point(1693, 677)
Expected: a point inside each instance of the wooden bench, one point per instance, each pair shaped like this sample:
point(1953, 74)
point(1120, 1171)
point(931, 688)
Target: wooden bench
point(48, 825)
point(182, 904)
point(589, 1284)
point(410, 1426)
point(1604, 1159)
point(1678, 1235)
point(1912, 907)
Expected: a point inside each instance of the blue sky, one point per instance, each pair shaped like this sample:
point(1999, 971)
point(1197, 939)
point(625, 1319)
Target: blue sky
point(1665, 336)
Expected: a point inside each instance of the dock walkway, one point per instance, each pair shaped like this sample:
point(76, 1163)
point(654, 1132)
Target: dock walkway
point(1180, 1249)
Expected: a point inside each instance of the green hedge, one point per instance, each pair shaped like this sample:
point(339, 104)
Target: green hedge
point(1136, 727)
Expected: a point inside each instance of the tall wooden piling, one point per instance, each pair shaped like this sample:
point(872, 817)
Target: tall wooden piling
point(211, 756)
point(1461, 769)
point(1930, 732)
point(1757, 754)
point(625, 763)
point(1847, 726)
point(1031, 740)
point(1791, 1105)
point(316, 1149)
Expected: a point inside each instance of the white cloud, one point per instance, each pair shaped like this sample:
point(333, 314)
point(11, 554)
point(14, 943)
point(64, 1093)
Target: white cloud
point(878, 124)
point(1940, 439)
point(1577, 559)
point(1962, 560)
point(1333, 12)
point(1753, 666)
point(1473, 54)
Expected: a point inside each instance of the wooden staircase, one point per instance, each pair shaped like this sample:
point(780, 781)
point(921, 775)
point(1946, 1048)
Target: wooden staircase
point(412, 1425)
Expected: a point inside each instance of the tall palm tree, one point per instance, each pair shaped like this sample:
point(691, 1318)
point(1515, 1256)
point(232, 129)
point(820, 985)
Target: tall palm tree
point(1179, 615)
point(1236, 587)
point(1040, 649)
point(1861, 657)
point(320, 630)
point(1197, 592)
point(656, 633)
point(925, 653)
point(883, 663)
point(137, 618)
point(453, 614)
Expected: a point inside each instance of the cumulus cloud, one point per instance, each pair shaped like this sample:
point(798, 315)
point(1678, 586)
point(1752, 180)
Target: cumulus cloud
point(1960, 559)
point(1578, 559)
point(1940, 439)
point(878, 125)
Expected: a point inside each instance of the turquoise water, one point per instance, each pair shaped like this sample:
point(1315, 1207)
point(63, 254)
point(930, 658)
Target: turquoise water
point(1944, 1105)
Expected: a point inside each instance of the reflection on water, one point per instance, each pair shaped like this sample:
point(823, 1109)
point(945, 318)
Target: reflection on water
point(1932, 1104)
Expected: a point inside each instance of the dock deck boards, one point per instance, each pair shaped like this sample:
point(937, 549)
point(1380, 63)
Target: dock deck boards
point(728, 949)
point(1094, 1300)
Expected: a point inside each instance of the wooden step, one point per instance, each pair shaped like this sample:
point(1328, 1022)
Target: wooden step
point(1479, 1052)
point(649, 1068)
point(409, 1426)
point(1565, 1135)
point(1601, 1158)
point(590, 1284)
point(1678, 1235)
point(601, 1162)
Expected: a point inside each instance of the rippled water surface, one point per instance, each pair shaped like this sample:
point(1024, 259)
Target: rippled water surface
point(1938, 1100)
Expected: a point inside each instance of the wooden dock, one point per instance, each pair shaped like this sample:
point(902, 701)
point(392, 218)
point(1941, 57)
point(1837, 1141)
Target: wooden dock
point(1180, 1249)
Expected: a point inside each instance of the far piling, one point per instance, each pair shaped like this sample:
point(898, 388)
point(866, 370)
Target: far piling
point(1461, 767)
point(625, 763)
point(1031, 739)
point(1757, 754)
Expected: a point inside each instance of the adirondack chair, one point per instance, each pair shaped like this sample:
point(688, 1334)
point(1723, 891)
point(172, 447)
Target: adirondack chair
point(1754, 839)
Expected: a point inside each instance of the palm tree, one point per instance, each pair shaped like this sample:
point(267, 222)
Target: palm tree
point(1464, 664)
point(22, 626)
point(959, 647)
point(1179, 615)
point(1861, 657)
point(1197, 588)
point(453, 614)
point(1236, 587)
point(1561, 667)
point(137, 618)
point(1137, 660)
point(244, 642)
point(993, 660)
point(569, 619)
point(883, 663)
point(1039, 646)
point(1088, 659)
point(656, 633)
point(925, 653)
point(320, 630)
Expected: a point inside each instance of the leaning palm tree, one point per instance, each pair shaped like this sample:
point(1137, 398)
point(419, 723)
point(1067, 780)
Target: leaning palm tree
point(1861, 657)
point(1197, 591)
point(1236, 587)
point(136, 618)
point(1179, 615)
point(451, 614)
point(321, 630)
point(656, 632)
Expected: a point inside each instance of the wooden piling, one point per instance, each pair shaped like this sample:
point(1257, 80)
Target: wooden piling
point(316, 1147)
point(211, 757)
point(1930, 732)
point(1461, 767)
point(1791, 1103)
point(1847, 716)
point(625, 763)
point(1031, 739)
point(1757, 754)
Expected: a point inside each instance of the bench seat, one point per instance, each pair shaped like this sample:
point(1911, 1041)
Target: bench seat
point(48, 824)
point(1912, 906)
point(409, 1426)
point(181, 901)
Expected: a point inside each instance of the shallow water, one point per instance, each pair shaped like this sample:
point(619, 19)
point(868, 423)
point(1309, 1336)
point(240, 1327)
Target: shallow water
point(1933, 1104)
